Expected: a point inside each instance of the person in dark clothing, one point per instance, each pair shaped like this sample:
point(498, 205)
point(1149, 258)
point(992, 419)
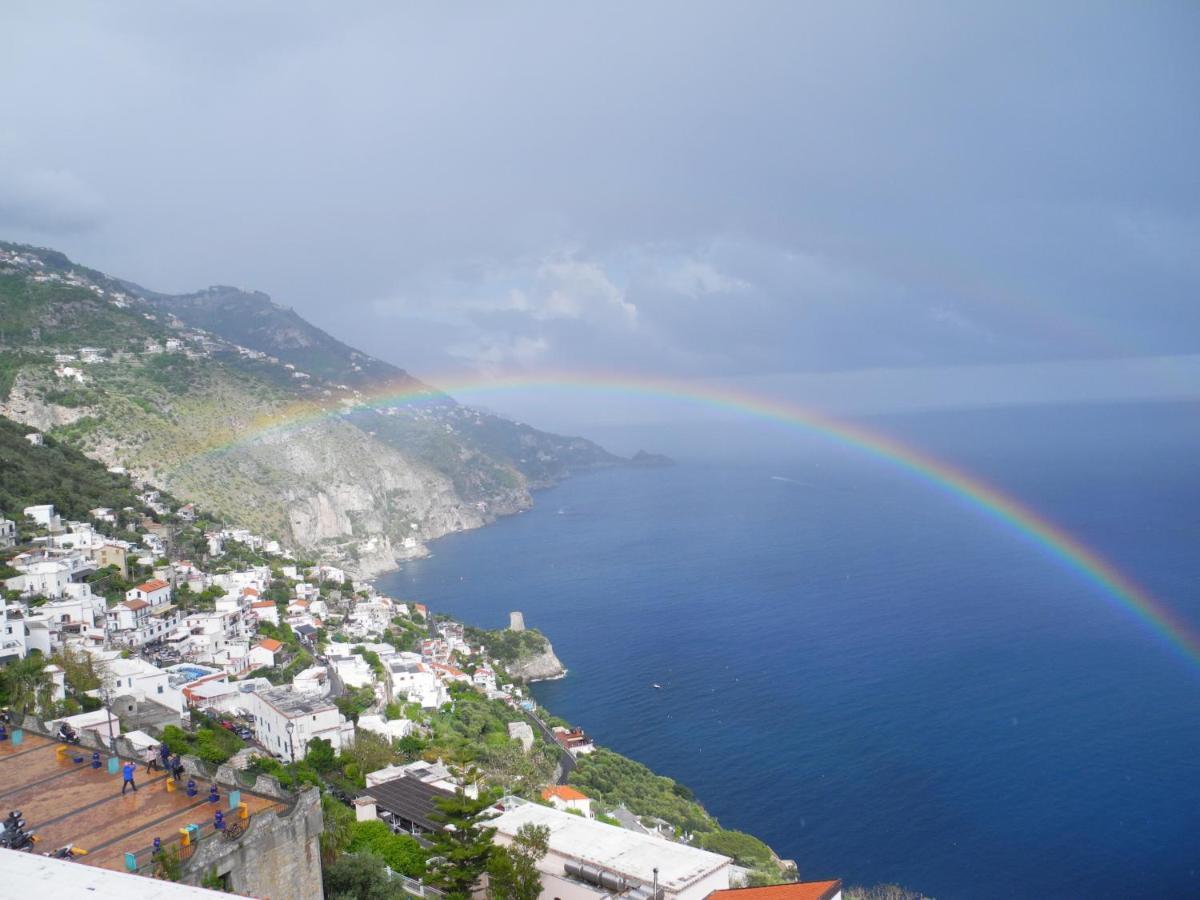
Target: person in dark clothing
point(127, 770)
point(176, 766)
point(165, 753)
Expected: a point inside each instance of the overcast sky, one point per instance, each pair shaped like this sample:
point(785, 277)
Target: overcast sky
point(786, 194)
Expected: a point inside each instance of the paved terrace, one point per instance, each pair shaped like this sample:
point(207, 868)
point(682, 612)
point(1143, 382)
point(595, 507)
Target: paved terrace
point(65, 802)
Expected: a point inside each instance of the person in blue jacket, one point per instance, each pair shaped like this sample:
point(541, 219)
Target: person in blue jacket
point(128, 769)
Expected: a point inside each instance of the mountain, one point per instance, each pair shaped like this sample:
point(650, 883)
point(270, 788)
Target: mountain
point(251, 319)
point(227, 399)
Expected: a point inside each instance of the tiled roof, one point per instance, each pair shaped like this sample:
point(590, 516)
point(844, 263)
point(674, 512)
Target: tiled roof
point(797, 890)
point(156, 585)
point(135, 604)
point(563, 792)
point(270, 644)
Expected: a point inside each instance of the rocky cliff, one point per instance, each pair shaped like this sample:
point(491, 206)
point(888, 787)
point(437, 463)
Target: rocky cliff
point(543, 666)
point(237, 404)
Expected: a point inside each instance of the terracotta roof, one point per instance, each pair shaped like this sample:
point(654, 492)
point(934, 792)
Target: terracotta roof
point(797, 890)
point(135, 604)
point(249, 591)
point(270, 644)
point(563, 792)
point(262, 604)
point(156, 585)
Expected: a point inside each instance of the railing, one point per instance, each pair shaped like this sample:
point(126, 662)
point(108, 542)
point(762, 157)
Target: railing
point(235, 829)
point(414, 887)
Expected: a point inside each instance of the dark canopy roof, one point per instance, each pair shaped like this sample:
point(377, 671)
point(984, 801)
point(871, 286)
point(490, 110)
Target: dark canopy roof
point(408, 798)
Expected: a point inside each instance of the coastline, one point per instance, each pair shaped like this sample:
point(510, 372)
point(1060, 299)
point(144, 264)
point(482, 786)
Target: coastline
point(787, 868)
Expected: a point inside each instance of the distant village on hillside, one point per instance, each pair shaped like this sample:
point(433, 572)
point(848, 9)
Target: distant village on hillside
point(298, 697)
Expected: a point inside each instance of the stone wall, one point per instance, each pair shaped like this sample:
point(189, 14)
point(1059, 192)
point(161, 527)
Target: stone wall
point(279, 856)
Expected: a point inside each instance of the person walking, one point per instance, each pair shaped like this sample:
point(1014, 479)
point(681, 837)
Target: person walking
point(127, 770)
point(164, 753)
point(176, 766)
point(151, 759)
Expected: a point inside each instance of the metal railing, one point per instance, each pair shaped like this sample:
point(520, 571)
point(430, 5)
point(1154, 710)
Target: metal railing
point(414, 887)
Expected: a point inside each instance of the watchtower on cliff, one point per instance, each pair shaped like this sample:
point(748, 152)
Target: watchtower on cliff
point(516, 621)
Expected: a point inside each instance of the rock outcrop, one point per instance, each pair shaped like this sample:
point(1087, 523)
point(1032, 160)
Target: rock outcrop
point(544, 666)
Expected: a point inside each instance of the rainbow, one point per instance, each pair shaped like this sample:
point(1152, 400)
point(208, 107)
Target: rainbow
point(1018, 518)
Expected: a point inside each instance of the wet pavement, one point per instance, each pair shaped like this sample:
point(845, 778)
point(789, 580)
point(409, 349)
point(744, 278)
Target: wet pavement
point(68, 802)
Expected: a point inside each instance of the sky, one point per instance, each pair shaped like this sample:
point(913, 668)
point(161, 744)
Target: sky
point(864, 206)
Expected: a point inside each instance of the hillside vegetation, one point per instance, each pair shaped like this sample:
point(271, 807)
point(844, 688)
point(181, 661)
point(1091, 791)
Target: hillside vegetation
point(234, 402)
point(55, 473)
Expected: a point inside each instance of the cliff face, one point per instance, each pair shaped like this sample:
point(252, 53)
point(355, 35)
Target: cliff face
point(544, 666)
point(232, 402)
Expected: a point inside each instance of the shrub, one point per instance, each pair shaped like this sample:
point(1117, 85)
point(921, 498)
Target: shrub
point(401, 853)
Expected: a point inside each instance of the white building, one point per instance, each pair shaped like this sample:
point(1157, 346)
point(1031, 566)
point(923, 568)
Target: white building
point(8, 534)
point(12, 634)
point(284, 722)
point(414, 682)
point(139, 679)
point(393, 729)
point(589, 860)
point(266, 611)
point(264, 653)
point(44, 515)
point(155, 593)
point(566, 798)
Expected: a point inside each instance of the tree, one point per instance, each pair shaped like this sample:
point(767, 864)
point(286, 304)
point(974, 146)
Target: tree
point(338, 830)
point(370, 752)
point(26, 686)
point(512, 769)
point(359, 876)
point(320, 755)
point(80, 670)
point(512, 870)
point(462, 844)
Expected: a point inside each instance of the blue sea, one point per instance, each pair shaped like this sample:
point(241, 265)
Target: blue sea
point(880, 681)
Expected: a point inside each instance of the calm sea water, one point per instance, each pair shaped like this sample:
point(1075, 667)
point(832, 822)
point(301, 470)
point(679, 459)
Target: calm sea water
point(879, 681)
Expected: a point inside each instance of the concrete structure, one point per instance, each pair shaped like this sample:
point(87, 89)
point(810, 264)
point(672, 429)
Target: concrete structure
point(589, 860)
point(276, 854)
point(516, 621)
point(34, 875)
point(521, 731)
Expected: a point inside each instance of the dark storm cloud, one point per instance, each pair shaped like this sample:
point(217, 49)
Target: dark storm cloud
point(696, 188)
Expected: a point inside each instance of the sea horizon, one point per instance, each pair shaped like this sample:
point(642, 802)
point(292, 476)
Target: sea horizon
point(853, 680)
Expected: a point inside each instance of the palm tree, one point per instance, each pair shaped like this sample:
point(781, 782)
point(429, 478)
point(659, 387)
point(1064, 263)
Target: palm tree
point(27, 684)
point(338, 830)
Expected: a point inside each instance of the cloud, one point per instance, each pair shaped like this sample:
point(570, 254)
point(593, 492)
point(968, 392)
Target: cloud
point(497, 353)
point(52, 202)
point(695, 278)
point(574, 289)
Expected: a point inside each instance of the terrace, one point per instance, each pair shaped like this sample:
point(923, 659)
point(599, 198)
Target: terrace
point(65, 800)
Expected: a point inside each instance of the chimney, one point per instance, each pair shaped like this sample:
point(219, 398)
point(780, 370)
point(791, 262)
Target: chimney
point(364, 808)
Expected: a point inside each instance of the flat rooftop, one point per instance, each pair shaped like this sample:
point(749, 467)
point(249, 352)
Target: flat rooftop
point(616, 849)
point(292, 704)
point(33, 875)
point(65, 802)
